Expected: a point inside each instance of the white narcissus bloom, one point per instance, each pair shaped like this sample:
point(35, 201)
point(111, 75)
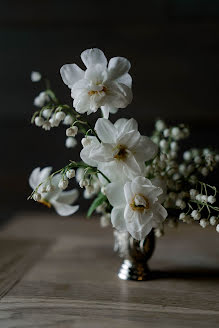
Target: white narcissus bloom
point(122, 147)
point(99, 86)
point(136, 207)
point(60, 200)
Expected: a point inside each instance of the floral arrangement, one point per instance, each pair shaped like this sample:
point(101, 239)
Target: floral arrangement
point(138, 183)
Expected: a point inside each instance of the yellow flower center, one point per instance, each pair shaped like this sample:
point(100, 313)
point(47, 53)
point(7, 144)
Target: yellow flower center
point(139, 203)
point(45, 202)
point(94, 92)
point(121, 152)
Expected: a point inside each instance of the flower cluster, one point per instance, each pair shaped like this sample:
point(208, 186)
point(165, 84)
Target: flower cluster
point(137, 182)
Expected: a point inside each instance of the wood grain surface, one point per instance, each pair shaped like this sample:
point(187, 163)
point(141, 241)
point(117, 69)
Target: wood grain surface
point(61, 272)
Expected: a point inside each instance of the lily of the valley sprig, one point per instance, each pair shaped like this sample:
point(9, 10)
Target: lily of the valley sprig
point(138, 183)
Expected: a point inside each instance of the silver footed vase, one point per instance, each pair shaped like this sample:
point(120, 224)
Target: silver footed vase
point(135, 255)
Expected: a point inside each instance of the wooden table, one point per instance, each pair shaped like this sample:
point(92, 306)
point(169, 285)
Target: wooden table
point(61, 272)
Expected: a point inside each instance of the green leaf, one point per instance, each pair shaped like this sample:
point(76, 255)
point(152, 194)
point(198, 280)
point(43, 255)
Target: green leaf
point(97, 201)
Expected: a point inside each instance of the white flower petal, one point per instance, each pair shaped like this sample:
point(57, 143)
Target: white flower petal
point(96, 74)
point(160, 182)
point(82, 103)
point(146, 149)
point(141, 185)
point(91, 57)
point(103, 153)
point(119, 95)
point(117, 218)
point(129, 139)
point(117, 67)
point(112, 171)
point(81, 86)
point(68, 197)
point(128, 192)
point(125, 79)
point(71, 73)
point(34, 178)
point(132, 168)
point(45, 172)
point(105, 111)
point(145, 230)
point(105, 130)
point(85, 152)
point(115, 194)
point(64, 209)
point(159, 214)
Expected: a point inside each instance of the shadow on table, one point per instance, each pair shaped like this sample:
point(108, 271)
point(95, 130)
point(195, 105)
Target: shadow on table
point(189, 274)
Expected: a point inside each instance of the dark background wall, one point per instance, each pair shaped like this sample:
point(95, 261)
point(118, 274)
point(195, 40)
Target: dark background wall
point(173, 47)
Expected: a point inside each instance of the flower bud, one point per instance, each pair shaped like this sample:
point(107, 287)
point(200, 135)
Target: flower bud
point(35, 76)
point(70, 142)
point(46, 113)
point(68, 120)
point(187, 156)
point(160, 125)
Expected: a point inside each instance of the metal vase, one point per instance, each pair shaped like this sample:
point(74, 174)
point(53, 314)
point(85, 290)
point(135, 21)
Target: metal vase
point(135, 254)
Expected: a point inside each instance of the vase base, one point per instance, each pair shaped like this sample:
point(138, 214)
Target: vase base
point(134, 271)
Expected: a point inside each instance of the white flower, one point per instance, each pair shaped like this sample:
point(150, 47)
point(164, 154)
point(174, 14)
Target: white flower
point(217, 228)
point(174, 146)
point(136, 208)
point(60, 200)
point(46, 112)
point(63, 183)
point(213, 220)
point(166, 133)
point(85, 141)
point(53, 122)
point(70, 174)
point(196, 215)
point(211, 199)
point(37, 196)
point(176, 133)
point(187, 155)
point(72, 131)
point(160, 125)
point(70, 142)
point(39, 121)
point(60, 116)
point(35, 76)
point(99, 86)
point(46, 125)
point(105, 220)
point(204, 171)
point(122, 148)
point(203, 223)
point(68, 120)
point(41, 99)
point(180, 203)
